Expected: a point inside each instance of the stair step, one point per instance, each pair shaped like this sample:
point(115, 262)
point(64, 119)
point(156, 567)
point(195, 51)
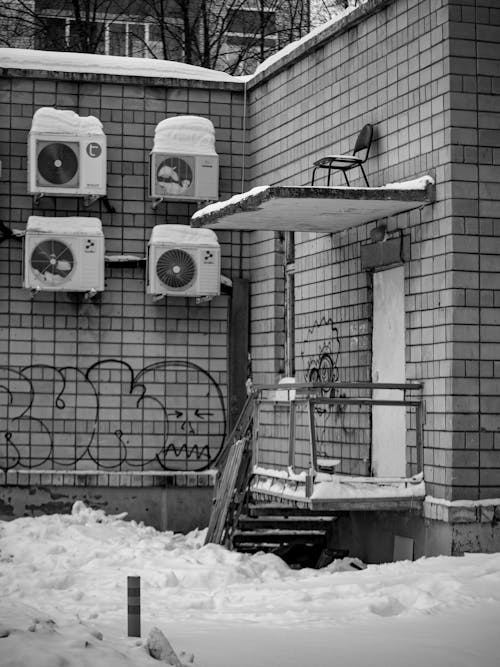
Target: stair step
point(281, 510)
point(284, 523)
point(253, 547)
point(277, 537)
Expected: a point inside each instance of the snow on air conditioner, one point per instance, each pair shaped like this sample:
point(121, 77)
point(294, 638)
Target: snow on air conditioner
point(66, 154)
point(183, 163)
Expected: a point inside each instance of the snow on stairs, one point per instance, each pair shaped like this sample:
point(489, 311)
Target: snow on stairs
point(299, 536)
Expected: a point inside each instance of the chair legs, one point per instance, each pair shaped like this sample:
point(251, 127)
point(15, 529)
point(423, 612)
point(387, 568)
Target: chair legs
point(366, 180)
point(330, 169)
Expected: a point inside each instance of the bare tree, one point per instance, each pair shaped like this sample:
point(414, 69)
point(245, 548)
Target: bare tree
point(232, 35)
point(59, 25)
point(323, 11)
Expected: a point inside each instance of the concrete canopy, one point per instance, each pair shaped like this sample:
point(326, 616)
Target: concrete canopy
point(311, 209)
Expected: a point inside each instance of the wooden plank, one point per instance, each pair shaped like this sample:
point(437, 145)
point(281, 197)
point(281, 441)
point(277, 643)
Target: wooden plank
point(224, 497)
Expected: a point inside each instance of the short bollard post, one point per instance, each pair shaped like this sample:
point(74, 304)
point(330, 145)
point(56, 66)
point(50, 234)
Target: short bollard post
point(134, 606)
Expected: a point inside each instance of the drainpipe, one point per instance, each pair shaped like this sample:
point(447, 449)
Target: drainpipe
point(289, 304)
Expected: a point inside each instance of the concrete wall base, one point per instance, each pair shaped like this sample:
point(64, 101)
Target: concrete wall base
point(371, 535)
point(175, 508)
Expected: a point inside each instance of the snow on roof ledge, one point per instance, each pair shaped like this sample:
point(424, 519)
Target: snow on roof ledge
point(91, 63)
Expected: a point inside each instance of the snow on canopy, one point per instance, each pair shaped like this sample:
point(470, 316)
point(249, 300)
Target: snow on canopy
point(415, 184)
point(67, 225)
point(64, 121)
point(235, 199)
point(185, 134)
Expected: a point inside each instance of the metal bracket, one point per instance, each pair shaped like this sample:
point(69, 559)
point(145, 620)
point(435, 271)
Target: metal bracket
point(37, 197)
point(203, 299)
point(88, 200)
point(91, 294)
point(156, 202)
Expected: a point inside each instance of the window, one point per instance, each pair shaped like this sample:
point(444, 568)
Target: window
point(136, 40)
point(117, 39)
point(53, 35)
point(87, 36)
point(251, 38)
point(155, 44)
point(114, 38)
point(252, 22)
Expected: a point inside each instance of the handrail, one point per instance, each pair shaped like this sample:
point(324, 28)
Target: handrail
point(308, 393)
point(338, 385)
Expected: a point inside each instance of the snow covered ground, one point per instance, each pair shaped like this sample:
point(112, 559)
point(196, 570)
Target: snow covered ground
point(63, 584)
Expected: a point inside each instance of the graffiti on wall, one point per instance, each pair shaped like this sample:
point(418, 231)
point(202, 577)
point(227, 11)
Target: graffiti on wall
point(320, 352)
point(320, 355)
point(170, 415)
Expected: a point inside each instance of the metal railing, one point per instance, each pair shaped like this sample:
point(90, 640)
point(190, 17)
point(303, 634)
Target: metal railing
point(295, 426)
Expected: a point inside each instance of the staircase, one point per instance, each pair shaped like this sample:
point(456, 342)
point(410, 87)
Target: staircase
point(299, 536)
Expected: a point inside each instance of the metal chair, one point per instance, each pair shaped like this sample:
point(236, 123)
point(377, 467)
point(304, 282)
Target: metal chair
point(346, 162)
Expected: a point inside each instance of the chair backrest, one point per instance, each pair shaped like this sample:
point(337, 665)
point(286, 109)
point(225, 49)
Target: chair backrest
point(364, 141)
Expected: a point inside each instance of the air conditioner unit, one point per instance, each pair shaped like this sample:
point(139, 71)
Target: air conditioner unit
point(183, 261)
point(64, 254)
point(66, 154)
point(183, 163)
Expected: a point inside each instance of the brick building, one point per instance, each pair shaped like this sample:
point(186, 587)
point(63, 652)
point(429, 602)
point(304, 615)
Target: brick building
point(426, 77)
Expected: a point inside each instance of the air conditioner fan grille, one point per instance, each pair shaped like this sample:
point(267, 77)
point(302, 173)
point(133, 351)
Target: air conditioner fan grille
point(176, 269)
point(58, 162)
point(52, 261)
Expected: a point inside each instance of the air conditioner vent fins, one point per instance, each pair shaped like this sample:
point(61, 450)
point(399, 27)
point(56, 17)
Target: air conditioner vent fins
point(183, 261)
point(176, 269)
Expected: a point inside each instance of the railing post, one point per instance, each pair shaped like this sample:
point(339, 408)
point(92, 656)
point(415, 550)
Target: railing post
point(256, 427)
point(291, 435)
point(419, 428)
point(312, 435)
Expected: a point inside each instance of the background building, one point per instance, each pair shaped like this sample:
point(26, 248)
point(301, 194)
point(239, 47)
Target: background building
point(232, 36)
